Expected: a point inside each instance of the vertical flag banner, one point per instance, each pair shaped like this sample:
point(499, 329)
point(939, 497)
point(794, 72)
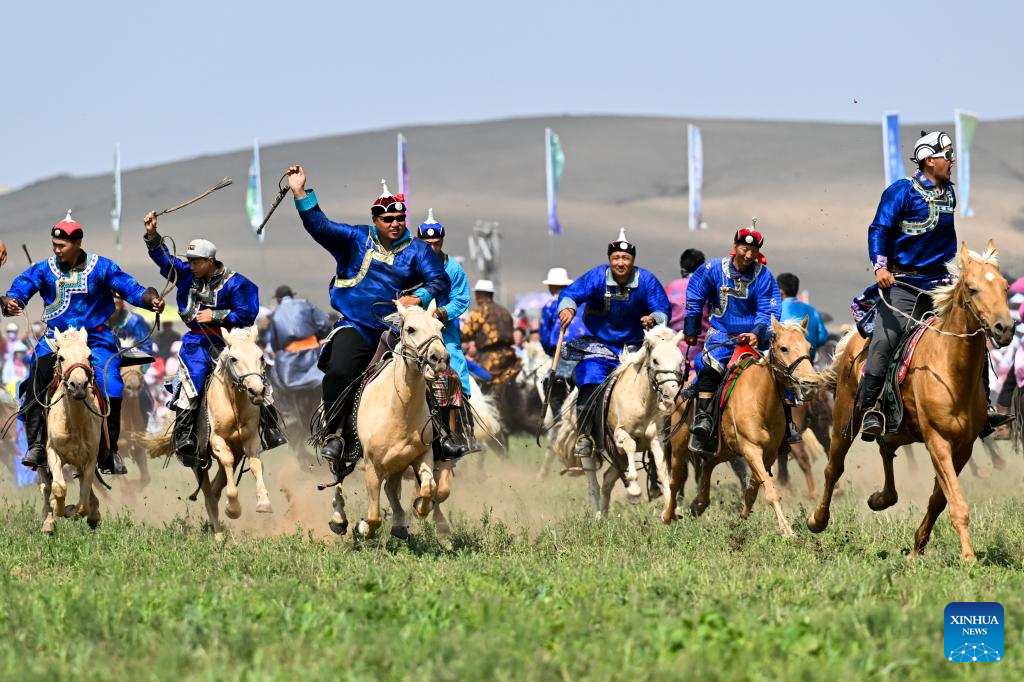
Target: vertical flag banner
point(403, 169)
point(554, 162)
point(891, 147)
point(966, 123)
point(115, 209)
point(695, 175)
point(254, 195)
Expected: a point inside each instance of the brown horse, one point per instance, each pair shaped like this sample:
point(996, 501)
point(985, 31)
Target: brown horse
point(133, 422)
point(944, 401)
point(753, 422)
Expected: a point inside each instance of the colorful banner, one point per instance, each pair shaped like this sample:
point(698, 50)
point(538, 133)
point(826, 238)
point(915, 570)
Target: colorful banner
point(891, 148)
point(403, 169)
point(115, 209)
point(554, 163)
point(966, 123)
point(254, 195)
point(695, 175)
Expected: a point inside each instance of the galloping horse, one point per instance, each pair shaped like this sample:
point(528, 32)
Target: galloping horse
point(943, 398)
point(753, 422)
point(393, 419)
point(237, 388)
point(133, 422)
point(74, 425)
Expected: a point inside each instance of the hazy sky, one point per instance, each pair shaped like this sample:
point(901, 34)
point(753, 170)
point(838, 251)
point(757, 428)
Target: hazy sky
point(176, 79)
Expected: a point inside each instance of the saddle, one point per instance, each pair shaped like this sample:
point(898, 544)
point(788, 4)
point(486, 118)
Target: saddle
point(742, 359)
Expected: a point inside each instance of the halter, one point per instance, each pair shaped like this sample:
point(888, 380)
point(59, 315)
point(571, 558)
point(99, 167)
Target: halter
point(656, 383)
point(238, 380)
point(90, 374)
point(419, 352)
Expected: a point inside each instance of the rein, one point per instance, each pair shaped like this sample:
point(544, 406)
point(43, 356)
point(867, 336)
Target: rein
point(924, 322)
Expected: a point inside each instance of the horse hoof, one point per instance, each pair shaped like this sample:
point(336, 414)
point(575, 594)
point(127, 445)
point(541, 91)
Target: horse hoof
point(264, 507)
point(634, 499)
point(48, 526)
point(667, 518)
point(400, 532)
point(816, 526)
point(233, 510)
point(696, 508)
point(71, 511)
point(879, 501)
point(338, 525)
point(93, 523)
point(218, 536)
point(443, 528)
point(422, 506)
point(362, 529)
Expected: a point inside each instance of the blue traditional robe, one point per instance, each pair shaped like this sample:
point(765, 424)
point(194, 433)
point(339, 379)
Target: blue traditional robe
point(455, 303)
point(366, 273)
point(738, 303)
point(550, 325)
point(612, 316)
point(913, 230)
point(297, 322)
point(82, 297)
point(234, 301)
point(131, 328)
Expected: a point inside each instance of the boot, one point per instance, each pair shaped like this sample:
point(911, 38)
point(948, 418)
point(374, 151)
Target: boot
point(452, 450)
point(792, 435)
point(702, 429)
point(342, 451)
point(183, 439)
point(873, 423)
point(110, 462)
point(331, 451)
point(271, 435)
point(35, 433)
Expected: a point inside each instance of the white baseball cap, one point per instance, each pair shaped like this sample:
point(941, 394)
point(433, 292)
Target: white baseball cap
point(558, 277)
point(201, 248)
point(12, 327)
point(484, 285)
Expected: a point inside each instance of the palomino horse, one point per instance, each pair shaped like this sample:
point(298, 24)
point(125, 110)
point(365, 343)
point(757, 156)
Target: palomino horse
point(943, 398)
point(393, 419)
point(74, 425)
point(237, 388)
point(133, 422)
point(753, 423)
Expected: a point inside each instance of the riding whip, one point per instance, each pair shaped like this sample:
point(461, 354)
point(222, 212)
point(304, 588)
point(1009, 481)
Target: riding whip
point(220, 185)
point(24, 247)
point(551, 381)
point(281, 191)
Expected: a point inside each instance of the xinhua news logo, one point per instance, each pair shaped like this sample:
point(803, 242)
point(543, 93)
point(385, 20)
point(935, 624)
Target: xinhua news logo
point(973, 632)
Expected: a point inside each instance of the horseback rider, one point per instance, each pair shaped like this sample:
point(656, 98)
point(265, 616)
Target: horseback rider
point(136, 340)
point(296, 328)
point(375, 264)
point(742, 296)
point(211, 298)
point(561, 380)
point(489, 328)
point(689, 261)
point(77, 289)
point(909, 242)
point(622, 300)
point(450, 307)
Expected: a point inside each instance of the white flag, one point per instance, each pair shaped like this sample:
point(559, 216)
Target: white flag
point(696, 176)
point(115, 210)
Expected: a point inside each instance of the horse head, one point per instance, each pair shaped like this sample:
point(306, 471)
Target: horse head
point(664, 363)
point(535, 367)
point(981, 290)
point(791, 356)
point(244, 362)
point(421, 339)
point(73, 367)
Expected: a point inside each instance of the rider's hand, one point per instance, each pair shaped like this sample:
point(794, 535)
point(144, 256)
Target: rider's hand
point(3, 252)
point(749, 339)
point(690, 340)
point(441, 314)
point(297, 181)
point(884, 278)
point(158, 305)
point(150, 222)
point(647, 321)
point(10, 305)
point(565, 316)
point(204, 316)
point(409, 301)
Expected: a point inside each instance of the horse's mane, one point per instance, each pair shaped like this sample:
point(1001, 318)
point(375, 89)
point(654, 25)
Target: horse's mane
point(795, 325)
point(944, 296)
point(828, 377)
point(637, 357)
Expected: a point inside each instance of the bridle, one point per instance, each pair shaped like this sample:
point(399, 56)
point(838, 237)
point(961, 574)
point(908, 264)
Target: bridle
point(786, 372)
point(419, 352)
point(654, 377)
point(238, 380)
point(65, 374)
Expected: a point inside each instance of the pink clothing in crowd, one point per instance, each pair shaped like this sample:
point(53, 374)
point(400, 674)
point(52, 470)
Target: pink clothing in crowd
point(676, 291)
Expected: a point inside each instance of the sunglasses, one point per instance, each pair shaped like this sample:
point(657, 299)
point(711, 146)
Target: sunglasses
point(388, 219)
point(948, 155)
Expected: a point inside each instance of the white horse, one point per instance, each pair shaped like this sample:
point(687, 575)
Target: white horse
point(238, 388)
point(74, 425)
point(393, 419)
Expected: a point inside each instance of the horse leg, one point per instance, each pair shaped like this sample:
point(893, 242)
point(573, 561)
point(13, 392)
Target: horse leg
point(783, 464)
point(58, 486)
point(339, 521)
point(760, 460)
point(627, 446)
point(88, 504)
point(399, 521)
point(142, 462)
point(664, 478)
point(425, 479)
point(997, 460)
point(804, 461)
point(818, 520)
point(263, 505)
point(549, 457)
point(887, 496)
point(948, 464)
point(607, 485)
point(45, 482)
point(703, 498)
point(368, 527)
point(443, 482)
point(222, 451)
point(750, 496)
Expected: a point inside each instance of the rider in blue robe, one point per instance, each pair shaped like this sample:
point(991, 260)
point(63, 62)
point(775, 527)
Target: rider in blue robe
point(78, 291)
point(621, 300)
point(210, 298)
point(741, 296)
point(559, 384)
point(374, 265)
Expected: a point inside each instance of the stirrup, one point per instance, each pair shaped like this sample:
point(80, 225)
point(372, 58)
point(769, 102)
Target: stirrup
point(579, 450)
point(875, 432)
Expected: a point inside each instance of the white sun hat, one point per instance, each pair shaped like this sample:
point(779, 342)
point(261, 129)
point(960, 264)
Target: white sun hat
point(558, 277)
point(484, 285)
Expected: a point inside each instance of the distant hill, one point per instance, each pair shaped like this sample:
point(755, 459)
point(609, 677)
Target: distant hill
point(813, 186)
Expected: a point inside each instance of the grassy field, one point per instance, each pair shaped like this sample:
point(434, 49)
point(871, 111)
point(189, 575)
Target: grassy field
point(568, 598)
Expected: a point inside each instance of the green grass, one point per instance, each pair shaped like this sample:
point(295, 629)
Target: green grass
point(626, 598)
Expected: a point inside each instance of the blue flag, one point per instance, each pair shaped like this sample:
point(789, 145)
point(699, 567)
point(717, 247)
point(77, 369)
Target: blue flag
point(891, 148)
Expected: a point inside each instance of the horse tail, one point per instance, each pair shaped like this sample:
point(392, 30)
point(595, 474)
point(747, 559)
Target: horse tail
point(159, 444)
point(1017, 425)
point(828, 378)
point(485, 412)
